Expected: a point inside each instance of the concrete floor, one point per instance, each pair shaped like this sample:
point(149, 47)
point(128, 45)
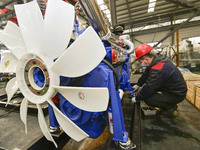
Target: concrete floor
point(177, 131)
point(172, 131)
point(12, 132)
point(166, 131)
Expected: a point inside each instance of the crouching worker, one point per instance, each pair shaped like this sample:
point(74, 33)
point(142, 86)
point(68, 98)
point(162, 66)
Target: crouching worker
point(163, 84)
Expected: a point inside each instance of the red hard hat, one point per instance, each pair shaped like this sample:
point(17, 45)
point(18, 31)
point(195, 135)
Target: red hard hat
point(142, 49)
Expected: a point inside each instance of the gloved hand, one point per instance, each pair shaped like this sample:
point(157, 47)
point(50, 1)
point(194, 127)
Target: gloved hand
point(135, 88)
point(133, 100)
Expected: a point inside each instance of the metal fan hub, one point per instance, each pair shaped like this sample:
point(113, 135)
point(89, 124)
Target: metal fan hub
point(34, 78)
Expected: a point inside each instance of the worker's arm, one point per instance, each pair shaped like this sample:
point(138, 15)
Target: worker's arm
point(144, 77)
point(154, 82)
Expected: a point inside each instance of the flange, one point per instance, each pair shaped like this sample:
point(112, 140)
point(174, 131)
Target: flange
point(36, 93)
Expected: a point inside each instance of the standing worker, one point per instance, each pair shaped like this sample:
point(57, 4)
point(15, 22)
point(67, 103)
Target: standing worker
point(163, 84)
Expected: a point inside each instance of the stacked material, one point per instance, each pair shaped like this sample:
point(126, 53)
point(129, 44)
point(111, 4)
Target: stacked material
point(193, 84)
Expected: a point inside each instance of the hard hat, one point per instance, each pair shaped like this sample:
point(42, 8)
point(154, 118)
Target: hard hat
point(141, 50)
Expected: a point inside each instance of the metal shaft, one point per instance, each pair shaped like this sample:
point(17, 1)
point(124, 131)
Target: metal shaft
point(96, 19)
point(92, 11)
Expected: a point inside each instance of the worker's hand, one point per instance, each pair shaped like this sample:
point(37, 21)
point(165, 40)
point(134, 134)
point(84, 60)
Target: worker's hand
point(133, 100)
point(135, 88)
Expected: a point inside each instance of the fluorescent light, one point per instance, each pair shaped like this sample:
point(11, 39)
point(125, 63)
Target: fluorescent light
point(151, 10)
point(100, 2)
point(152, 4)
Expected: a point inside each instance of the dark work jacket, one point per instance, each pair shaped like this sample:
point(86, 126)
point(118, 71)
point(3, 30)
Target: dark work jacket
point(161, 75)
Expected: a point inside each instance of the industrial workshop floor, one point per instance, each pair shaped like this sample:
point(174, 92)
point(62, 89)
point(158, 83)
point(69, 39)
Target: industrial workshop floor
point(167, 131)
point(172, 131)
point(177, 131)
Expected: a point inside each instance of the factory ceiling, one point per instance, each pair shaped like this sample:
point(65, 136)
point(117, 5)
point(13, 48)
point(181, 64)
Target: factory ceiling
point(136, 16)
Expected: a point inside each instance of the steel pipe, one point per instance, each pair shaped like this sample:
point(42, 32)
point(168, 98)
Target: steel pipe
point(96, 19)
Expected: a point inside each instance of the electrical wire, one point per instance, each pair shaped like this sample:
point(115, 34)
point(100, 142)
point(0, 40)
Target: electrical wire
point(114, 72)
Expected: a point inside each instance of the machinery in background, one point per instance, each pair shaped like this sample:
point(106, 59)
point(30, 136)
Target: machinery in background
point(189, 55)
point(88, 78)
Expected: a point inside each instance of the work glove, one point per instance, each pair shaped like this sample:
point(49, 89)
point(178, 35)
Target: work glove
point(133, 100)
point(135, 88)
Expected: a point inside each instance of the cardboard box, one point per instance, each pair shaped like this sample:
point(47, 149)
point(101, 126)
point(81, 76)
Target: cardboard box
point(191, 85)
point(191, 77)
point(190, 96)
point(193, 93)
point(197, 102)
point(197, 98)
point(198, 89)
point(193, 88)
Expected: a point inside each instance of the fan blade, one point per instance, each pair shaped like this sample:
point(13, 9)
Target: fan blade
point(11, 88)
point(30, 21)
point(23, 112)
point(12, 39)
point(70, 128)
point(8, 63)
point(86, 98)
point(82, 56)
point(58, 26)
point(43, 125)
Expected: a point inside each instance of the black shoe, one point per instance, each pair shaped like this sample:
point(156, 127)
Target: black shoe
point(168, 110)
point(172, 108)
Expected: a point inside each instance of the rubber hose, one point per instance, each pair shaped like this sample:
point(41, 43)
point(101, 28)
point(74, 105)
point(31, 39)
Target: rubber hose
point(114, 71)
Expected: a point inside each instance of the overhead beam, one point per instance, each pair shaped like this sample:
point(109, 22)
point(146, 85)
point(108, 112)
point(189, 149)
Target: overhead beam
point(141, 14)
point(165, 28)
point(177, 28)
point(140, 8)
point(143, 18)
point(129, 3)
point(137, 40)
point(129, 14)
point(185, 4)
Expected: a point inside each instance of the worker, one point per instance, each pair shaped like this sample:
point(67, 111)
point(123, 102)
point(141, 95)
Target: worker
point(163, 84)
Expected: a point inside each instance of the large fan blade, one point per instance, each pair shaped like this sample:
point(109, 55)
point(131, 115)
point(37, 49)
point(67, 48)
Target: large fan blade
point(8, 63)
point(70, 128)
point(82, 56)
point(23, 112)
point(88, 99)
point(58, 26)
point(43, 125)
point(12, 39)
point(30, 21)
point(11, 88)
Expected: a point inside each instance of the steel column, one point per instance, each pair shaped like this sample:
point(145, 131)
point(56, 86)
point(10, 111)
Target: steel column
point(113, 12)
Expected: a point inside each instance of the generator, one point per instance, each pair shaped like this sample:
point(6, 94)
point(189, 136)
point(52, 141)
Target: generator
point(81, 76)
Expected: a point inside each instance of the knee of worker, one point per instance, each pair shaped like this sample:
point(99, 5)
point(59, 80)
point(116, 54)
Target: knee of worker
point(149, 102)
